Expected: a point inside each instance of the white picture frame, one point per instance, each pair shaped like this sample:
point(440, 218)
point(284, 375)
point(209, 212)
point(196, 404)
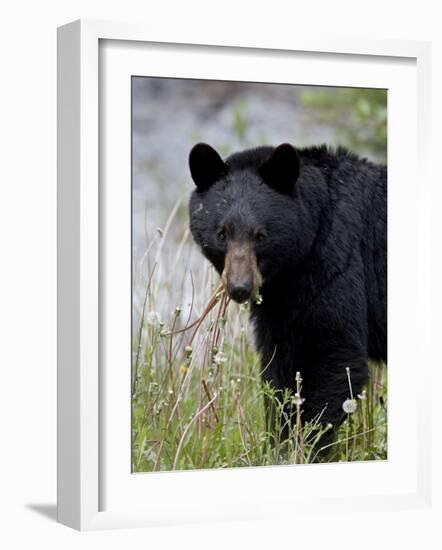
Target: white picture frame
point(81, 441)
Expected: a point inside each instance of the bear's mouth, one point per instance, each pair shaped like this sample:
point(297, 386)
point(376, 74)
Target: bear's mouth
point(241, 276)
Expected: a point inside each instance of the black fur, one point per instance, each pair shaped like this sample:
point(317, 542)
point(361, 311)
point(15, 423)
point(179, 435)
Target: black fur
point(323, 261)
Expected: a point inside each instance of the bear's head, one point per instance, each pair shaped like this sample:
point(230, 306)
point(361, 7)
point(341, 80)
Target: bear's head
point(246, 215)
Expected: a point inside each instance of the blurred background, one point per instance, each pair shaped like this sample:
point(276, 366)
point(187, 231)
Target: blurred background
point(170, 115)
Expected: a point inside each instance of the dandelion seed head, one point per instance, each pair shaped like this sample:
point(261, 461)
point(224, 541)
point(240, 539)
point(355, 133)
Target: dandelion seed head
point(349, 406)
point(297, 399)
point(219, 358)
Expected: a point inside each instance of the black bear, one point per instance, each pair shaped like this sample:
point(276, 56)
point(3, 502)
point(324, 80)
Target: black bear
point(307, 230)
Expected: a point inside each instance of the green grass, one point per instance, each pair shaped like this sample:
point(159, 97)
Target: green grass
point(198, 400)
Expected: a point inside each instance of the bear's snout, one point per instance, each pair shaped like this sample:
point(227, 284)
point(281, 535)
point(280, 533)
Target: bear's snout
point(240, 291)
point(241, 276)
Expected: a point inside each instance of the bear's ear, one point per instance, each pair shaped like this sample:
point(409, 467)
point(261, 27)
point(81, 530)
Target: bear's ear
point(281, 170)
point(206, 166)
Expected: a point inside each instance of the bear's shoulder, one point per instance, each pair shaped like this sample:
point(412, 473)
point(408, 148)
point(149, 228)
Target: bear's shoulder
point(331, 157)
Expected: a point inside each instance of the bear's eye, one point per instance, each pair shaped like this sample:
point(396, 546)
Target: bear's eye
point(221, 235)
point(260, 237)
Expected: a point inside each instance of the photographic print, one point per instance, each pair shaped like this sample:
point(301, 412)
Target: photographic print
point(259, 274)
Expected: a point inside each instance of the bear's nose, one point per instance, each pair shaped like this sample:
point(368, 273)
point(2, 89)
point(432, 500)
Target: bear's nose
point(240, 291)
